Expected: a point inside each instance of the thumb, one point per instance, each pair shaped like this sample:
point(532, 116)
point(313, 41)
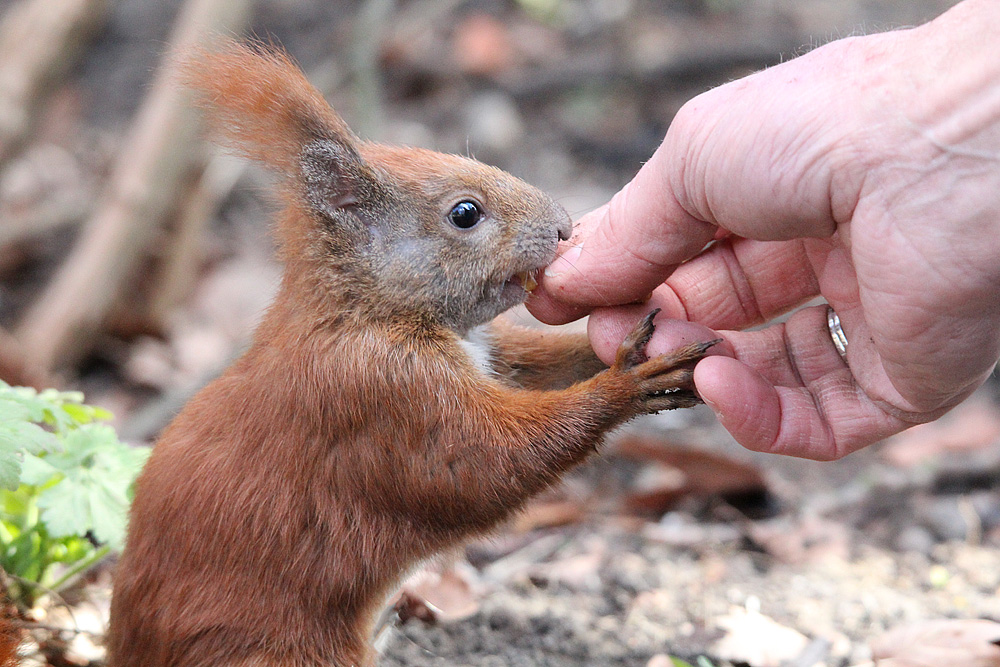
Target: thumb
point(620, 252)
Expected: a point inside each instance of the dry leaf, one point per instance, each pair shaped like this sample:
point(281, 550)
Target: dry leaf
point(578, 573)
point(547, 514)
point(676, 472)
point(656, 489)
point(433, 596)
point(940, 643)
point(756, 639)
point(660, 660)
point(801, 540)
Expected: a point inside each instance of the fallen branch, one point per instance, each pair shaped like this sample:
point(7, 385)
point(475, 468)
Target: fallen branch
point(709, 66)
point(529, 84)
point(186, 250)
point(144, 184)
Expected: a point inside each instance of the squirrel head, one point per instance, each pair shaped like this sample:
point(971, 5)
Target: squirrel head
point(440, 235)
point(397, 232)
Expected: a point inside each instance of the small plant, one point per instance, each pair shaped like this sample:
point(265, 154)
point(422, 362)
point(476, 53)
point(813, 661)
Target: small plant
point(65, 487)
point(701, 662)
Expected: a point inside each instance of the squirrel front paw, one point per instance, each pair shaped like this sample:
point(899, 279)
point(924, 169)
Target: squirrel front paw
point(664, 382)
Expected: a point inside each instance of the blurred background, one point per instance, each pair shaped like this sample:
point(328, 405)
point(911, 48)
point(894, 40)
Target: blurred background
point(135, 259)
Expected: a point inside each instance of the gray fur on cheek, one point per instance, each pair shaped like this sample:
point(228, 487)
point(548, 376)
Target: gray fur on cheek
point(413, 273)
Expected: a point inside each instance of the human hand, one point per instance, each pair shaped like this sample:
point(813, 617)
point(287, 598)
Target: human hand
point(867, 172)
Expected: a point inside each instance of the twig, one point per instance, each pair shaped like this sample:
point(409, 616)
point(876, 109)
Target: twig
point(815, 652)
point(54, 629)
point(71, 575)
point(534, 552)
point(38, 42)
point(144, 183)
point(186, 243)
point(530, 84)
point(690, 68)
point(372, 18)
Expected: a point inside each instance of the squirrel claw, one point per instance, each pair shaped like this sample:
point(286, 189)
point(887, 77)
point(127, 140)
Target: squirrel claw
point(632, 351)
point(673, 401)
point(664, 382)
point(667, 381)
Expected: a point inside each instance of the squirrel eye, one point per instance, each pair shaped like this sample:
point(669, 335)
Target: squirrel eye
point(465, 214)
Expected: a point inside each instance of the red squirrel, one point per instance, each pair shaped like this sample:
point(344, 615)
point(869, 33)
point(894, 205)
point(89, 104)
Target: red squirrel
point(380, 415)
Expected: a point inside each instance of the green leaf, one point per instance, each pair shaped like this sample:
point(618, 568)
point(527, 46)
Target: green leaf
point(99, 414)
point(17, 437)
point(30, 406)
point(17, 508)
point(11, 408)
point(65, 476)
point(93, 493)
point(78, 413)
point(62, 410)
point(36, 471)
point(85, 502)
point(24, 412)
point(40, 408)
point(85, 414)
point(702, 662)
point(71, 549)
point(24, 556)
point(66, 507)
point(109, 513)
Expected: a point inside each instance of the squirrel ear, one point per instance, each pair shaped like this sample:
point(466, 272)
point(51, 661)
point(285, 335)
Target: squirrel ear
point(332, 174)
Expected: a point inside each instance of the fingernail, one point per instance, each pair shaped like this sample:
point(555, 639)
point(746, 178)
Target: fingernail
point(564, 261)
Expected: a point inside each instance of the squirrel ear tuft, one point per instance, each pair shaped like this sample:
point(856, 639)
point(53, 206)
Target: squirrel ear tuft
point(332, 175)
point(261, 104)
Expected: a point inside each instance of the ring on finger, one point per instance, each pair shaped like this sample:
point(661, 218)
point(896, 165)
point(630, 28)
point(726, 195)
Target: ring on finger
point(837, 334)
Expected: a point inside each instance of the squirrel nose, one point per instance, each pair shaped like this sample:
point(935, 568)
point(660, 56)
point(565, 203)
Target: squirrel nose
point(565, 230)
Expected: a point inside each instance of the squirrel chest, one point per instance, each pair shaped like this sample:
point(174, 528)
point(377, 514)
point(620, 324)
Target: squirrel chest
point(478, 344)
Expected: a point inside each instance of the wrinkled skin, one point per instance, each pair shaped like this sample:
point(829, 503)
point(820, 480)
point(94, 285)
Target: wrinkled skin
point(867, 172)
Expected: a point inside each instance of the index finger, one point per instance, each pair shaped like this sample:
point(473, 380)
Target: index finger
point(736, 283)
point(739, 283)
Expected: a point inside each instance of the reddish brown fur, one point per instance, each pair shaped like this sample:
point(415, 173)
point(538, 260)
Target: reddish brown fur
point(264, 96)
point(10, 635)
point(286, 500)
